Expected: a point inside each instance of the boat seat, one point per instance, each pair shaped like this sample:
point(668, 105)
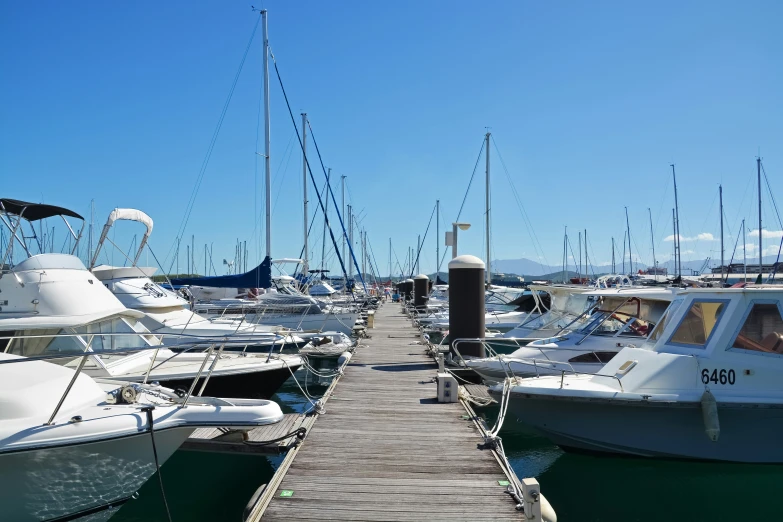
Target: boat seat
point(773, 342)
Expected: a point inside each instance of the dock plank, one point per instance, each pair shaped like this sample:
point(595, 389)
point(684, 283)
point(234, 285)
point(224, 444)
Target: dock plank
point(386, 449)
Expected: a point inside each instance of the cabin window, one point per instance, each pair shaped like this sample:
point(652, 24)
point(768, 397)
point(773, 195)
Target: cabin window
point(593, 357)
point(664, 320)
point(762, 330)
point(698, 323)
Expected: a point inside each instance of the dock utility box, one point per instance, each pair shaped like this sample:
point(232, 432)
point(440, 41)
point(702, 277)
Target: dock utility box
point(448, 389)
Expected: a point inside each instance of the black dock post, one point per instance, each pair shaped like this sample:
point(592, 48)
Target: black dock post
point(466, 304)
point(421, 285)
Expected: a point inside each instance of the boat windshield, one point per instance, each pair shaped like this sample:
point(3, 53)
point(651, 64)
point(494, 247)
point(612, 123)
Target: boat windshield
point(607, 323)
point(119, 325)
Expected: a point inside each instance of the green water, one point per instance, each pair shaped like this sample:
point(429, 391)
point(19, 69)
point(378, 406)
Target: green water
point(211, 486)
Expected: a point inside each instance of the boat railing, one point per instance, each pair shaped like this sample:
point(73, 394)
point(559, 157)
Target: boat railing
point(538, 365)
point(194, 342)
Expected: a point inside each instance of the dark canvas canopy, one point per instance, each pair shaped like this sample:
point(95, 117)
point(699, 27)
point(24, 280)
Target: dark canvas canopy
point(259, 277)
point(34, 211)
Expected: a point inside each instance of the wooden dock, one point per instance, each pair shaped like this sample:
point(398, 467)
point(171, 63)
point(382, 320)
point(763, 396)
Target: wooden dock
point(386, 449)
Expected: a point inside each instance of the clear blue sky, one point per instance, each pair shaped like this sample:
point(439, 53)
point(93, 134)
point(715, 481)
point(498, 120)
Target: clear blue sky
point(588, 102)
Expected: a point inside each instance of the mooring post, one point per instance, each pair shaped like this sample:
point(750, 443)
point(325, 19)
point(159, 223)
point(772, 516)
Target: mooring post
point(421, 286)
point(408, 290)
point(466, 304)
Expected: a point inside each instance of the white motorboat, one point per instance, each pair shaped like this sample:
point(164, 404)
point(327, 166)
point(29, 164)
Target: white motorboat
point(706, 386)
point(84, 457)
point(53, 305)
point(623, 317)
point(166, 313)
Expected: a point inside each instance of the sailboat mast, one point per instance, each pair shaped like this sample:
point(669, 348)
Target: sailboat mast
point(652, 238)
point(350, 238)
point(486, 209)
point(613, 266)
point(758, 173)
point(628, 228)
point(326, 213)
point(720, 195)
point(418, 252)
point(565, 254)
point(674, 226)
point(306, 264)
point(437, 238)
point(342, 213)
point(267, 131)
point(391, 269)
point(586, 270)
point(579, 266)
point(677, 249)
point(744, 254)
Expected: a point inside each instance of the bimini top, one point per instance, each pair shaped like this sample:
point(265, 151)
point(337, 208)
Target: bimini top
point(34, 211)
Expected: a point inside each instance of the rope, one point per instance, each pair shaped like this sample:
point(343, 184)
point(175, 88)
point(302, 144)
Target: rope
point(300, 434)
point(150, 421)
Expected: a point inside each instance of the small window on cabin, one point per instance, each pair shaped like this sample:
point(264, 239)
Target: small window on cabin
point(593, 357)
point(762, 331)
point(698, 323)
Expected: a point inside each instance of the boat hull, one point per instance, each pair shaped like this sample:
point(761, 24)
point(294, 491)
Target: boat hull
point(748, 432)
point(249, 385)
point(87, 481)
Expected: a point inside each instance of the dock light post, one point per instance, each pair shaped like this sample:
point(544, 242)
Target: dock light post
point(451, 237)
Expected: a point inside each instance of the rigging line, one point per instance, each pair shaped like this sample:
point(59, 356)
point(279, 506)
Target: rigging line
point(375, 269)
point(571, 248)
point(334, 201)
point(398, 261)
point(465, 197)
point(771, 196)
point(213, 141)
point(471, 181)
point(309, 229)
point(660, 209)
point(285, 172)
point(312, 177)
point(526, 219)
point(418, 251)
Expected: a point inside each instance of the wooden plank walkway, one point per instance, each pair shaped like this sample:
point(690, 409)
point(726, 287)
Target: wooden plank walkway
point(386, 449)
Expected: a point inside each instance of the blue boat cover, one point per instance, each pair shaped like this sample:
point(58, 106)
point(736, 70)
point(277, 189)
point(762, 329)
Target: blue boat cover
point(259, 277)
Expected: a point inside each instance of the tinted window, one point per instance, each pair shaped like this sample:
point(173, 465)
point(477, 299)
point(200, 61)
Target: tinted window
point(762, 330)
point(593, 357)
point(698, 323)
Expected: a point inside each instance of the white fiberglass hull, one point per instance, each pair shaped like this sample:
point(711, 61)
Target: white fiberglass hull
point(91, 479)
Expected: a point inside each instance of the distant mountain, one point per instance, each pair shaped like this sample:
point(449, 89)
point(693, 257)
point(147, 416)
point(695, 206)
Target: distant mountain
point(528, 267)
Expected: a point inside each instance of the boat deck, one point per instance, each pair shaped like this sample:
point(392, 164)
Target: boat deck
point(259, 440)
point(386, 449)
